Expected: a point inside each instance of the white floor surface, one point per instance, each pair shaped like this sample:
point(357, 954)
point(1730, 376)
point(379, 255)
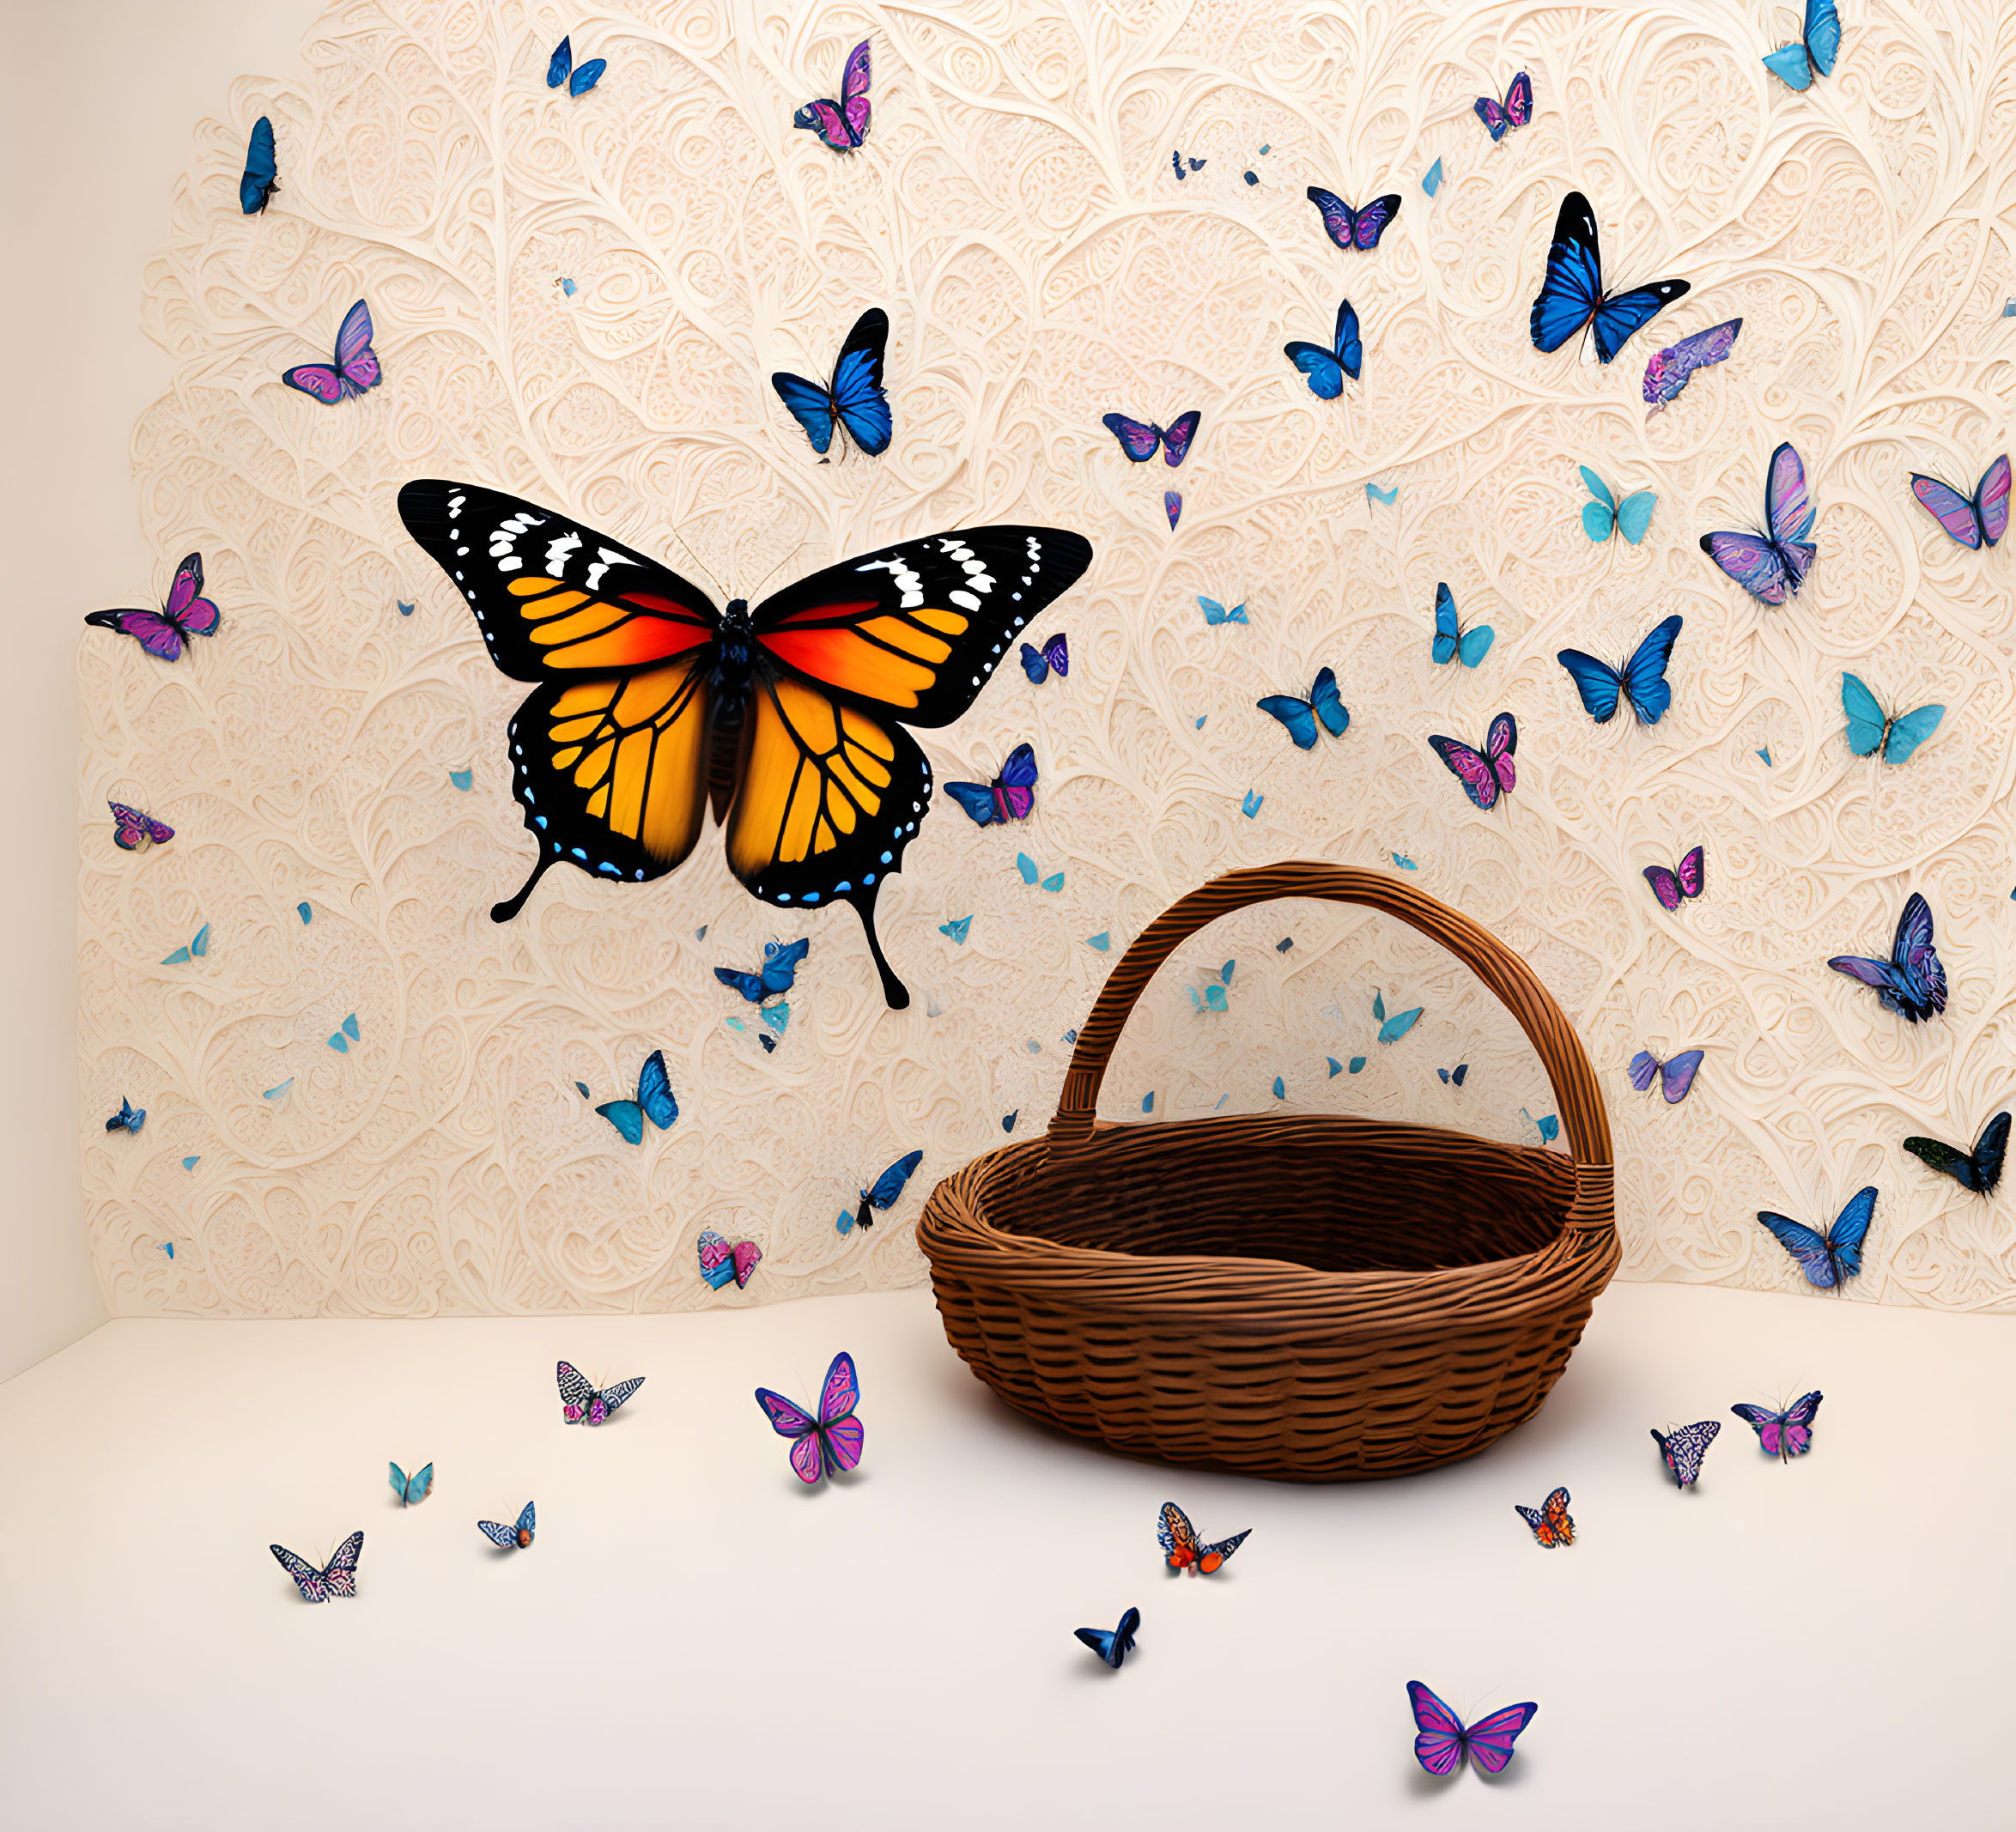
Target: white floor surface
point(696, 1641)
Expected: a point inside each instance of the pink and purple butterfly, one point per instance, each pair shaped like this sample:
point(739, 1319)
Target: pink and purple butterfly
point(1140, 441)
point(833, 1440)
point(1687, 879)
point(1783, 1434)
point(1487, 774)
point(162, 633)
point(1010, 797)
point(1674, 1078)
point(583, 1405)
point(843, 126)
point(133, 830)
point(1443, 1739)
point(339, 1578)
point(1771, 565)
point(1355, 229)
point(352, 370)
point(1829, 1260)
point(1668, 371)
point(1912, 981)
point(1684, 1447)
point(720, 1261)
point(1515, 111)
point(1970, 520)
point(1054, 657)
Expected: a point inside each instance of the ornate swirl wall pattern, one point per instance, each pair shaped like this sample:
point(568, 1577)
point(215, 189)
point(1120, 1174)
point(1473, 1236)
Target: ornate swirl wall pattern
point(577, 299)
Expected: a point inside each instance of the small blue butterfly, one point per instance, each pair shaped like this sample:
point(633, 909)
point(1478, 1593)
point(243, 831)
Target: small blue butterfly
point(778, 973)
point(1643, 678)
point(1870, 728)
point(1324, 369)
point(195, 951)
point(956, 928)
point(1392, 1029)
point(568, 288)
point(887, 1190)
point(1301, 716)
point(654, 1103)
point(1356, 1064)
point(1766, 755)
point(1336, 1067)
point(1431, 182)
point(129, 1118)
point(1454, 1077)
point(190, 1164)
point(1451, 642)
point(1054, 657)
point(405, 609)
point(414, 1487)
point(560, 68)
point(1548, 1125)
point(1201, 717)
point(1111, 1645)
point(1607, 515)
point(306, 914)
point(1251, 805)
point(1215, 613)
point(1377, 495)
point(462, 779)
point(1404, 863)
point(1280, 1089)
point(1819, 43)
point(1027, 867)
point(854, 401)
point(342, 1038)
point(168, 1248)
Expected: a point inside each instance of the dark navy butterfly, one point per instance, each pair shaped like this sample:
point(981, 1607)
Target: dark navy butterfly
point(129, 1118)
point(1111, 1644)
point(1772, 564)
point(1572, 298)
point(1641, 679)
point(1979, 1170)
point(1326, 369)
point(1301, 716)
point(1140, 441)
point(889, 1187)
point(1683, 1449)
point(1351, 228)
point(776, 975)
point(1911, 982)
point(261, 180)
point(854, 400)
point(1010, 797)
point(1831, 1258)
point(1055, 656)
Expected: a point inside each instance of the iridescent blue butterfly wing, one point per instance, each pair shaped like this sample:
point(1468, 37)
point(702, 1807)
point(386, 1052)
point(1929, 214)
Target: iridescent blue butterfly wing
point(1139, 442)
point(1914, 959)
point(586, 76)
point(256, 188)
point(654, 1092)
point(1328, 704)
point(1907, 730)
point(1980, 1170)
point(750, 985)
point(889, 1185)
point(857, 393)
point(1597, 682)
point(1446, 635)
point(627, 1117)
point(1324, 374)
point(780, 963)
point(1850, 1229)
point(1573, 288)
point(1177, 435)
point(1019, 771)
point(1297, 715)
point(1809, 1250)
point(811, 405)
point(1617, 318)
point(977, 799)
point(1644, 674)
point(1868, 723)
point(1346, 342)
point(561, 63)
point(1822, 34)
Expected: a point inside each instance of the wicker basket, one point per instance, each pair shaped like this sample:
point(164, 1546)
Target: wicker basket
point(1320, 1299)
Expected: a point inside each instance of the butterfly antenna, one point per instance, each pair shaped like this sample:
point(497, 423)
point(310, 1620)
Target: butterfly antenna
point(701, 563)
point(504, 911)
point(769, 575)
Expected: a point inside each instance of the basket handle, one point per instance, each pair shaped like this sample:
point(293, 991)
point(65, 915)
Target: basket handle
point(1515, 985)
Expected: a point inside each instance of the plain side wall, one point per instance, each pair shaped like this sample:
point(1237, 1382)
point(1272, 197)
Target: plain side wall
point(91, 160)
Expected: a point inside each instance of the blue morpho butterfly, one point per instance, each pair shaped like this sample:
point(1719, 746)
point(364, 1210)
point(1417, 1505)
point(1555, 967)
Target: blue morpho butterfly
point(1453, 643)
point(560, 68)
point(854, 400)
point(261, 179)
point(1870, 728)
point(777, 973)
point(1011, 796)
point(1607, 515)
point(1819, 43)
point(1912, 981)
point(1300, 716)
point(1215, 613)
point(1324, 369)
point(887, 1190)
point(1979, 1170)
point(654, 1101)
point(1392, 1029)
point(1251, 805)
point(1834, 1257)
point(1054, 657)
point(194, 951)
point(1213, 996)
point(1641, 679)
point(340, 1039)
point(129, 1118)
point(1111, 1645)
point(414, 1487)
point(1454, 1077)
point(1571, 298)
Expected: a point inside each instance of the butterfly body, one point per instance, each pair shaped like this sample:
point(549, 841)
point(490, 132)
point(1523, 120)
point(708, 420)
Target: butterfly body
point(1912, 981)
point(354, 367)
point(1011, 796)
point(561, 68)
point(886, 1189)
point(1871, 729)
point(1053, 658)
point(720, 1261)
point(1684, 1448)
point(843, 125)
point(1302, 717)
point(1453, 643)
point(1675, 1078)
point(1668, 371)
point(1819, 43)
point(1605, 514)
point(260, 181)
point(655, 1101)
point(1487, 774)
point(833, 1439)
point(1783, 1434)
point(1830, 1259)
point(1771, 564)
point(1572, 299)
point(1687, 879)
point(778, 973)
point(1499, 118)
point(854, 400)
point(583, 1405)
point(515, 1537)
point(1552, 1523)
point(129, 1118)
point(1324, 369)
point(1982, 518)
point(1354, 229)
point(1641, 679)
point(1141, 439)
point(163, 633)
point(1113, 1645)
point(414, 1487)
point(788, 719)
point(1444, 1740)
point(1979, 1170)
point(339, 1578)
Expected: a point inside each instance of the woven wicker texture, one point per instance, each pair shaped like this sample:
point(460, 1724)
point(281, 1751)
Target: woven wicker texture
point(1316, 1298)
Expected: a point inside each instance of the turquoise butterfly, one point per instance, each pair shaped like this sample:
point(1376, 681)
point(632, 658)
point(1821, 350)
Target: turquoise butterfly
point(1607, 515)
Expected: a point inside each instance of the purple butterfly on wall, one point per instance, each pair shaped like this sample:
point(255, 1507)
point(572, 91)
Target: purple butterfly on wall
point(1684, 1447)
point(843, 126)
point(1675, 1078)
point(1687, 879)
point(1970, 520)
point(133, 830)
point(1515, 111)
point(1487, 774)
point(1054, 657)
point(1139, 441)
point(833, 1440)
point(1444, 1740)
point(1350, 228)
point(1009, 797)
point(1783, 1434)
point(162, 633)
point(352, 370)
point(1668, 371)
point(1912, 981)
point(1772, 565)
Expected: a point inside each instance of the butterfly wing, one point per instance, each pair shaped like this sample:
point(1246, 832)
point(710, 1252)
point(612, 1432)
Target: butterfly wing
point(853, 93)
point(1346, 227)
point(1677, 1076)
point(1643, 1069)
point(320, 380)
point(1914, 962)
point(654, 1092)
point(305, 1575)
point(1597, 682)
point(1907, 730)
point(498, 1533)
point(1139, 442)
point(1752, 562)
point(1644, 675)
point(356, 362)
point(1372, 219)
point(888, 1188)
point(1559, 1522)
point(827, 121)
point(1324, 373)
point(1991, 501)
point(1176, 437)
point(1668, 371)
point(1490, 1739)
point(1866, 721)
point(1685, 1447)
point(1176, 1536)
point(1399, 1025)
point(1519, 101)
point(1850, 1229)
point(1447, 640)
point(1346, 342)
point(420, 1485)
point(717, 1263)
point(857, 393)
point(1634, 515)
point(1665, 886)
point(1808, 1250)
point(575, 1392)
point(1822, 34)
point(1769, 1425)
point(750, 985)
point(257, 186)
point(1573, 285)
point(1951, 509)
point(1599, 515)
point(782, 961)
point(340, 1575)
point(152, 631)
point(586, 75)
point(613, 1396)
point(1479, 780)
point(528, 1520)
point(627, 1117)
point(1694, 871)
point(811, 404)
point(1328, 704)
point(561, 64)
point(1990, 1149)
point(748, 1255)
point(1438, 1743)
point(1616, 319)
point(977, 799)
point(1501, 741)
point(1214, 1553)
point(1496, 122)
point(1299, 716)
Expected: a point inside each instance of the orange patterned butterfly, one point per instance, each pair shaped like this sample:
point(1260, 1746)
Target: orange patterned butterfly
point(1552, 1523)
point(788, 718)
point(1183, 1550)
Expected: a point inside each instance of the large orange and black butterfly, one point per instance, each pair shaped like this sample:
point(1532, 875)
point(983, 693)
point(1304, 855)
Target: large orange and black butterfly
point(789, 718)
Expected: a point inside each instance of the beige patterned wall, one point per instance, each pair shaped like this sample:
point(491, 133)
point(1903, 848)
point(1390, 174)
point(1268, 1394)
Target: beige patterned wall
point(1015, 211)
